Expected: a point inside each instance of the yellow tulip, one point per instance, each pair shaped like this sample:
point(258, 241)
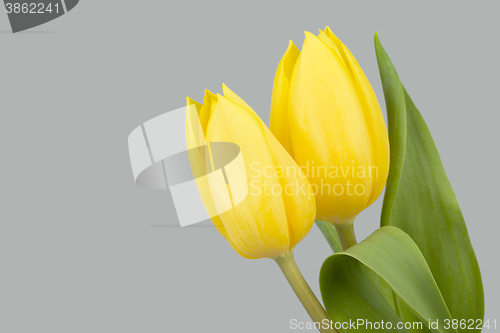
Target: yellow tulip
point(326, 115)
point(279, 209)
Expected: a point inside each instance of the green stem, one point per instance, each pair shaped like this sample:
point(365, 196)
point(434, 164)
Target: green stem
point(346, 234)
point(304, 293)
point(330, 234)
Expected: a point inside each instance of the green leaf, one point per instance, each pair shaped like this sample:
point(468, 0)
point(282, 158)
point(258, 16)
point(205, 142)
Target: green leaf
point(368, 280)
point(330, 234)
point(419, 200)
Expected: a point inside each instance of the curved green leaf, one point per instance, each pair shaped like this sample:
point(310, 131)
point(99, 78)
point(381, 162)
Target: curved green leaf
point(368, 280)
point(419, 200)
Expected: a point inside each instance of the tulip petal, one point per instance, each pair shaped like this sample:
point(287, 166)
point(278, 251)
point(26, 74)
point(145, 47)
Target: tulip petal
point(279, 102)
point(209, 102)
point(339, 46)
point(373, 115)
point(231, 95)
point(220, 228)
point(296, 191)
point(299, 201)
point(190, 101)
point(328, 42)
point(328, 130)
point(200, 165)
point(258, 225)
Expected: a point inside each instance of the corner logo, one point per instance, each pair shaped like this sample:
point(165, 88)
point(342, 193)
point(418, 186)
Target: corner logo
point(25, 14)
point(206, 180)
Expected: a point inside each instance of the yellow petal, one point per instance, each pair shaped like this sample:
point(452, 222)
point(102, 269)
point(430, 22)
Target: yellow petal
point(257, 226)
point(230, 95)
point(300, 204)
point(328, 42)
point(295, 190)
point(220, 228)
point(194, 132)
point(209, 102)
point(199, 158)
point(279, 101)
point(328, 130)
point(373, 116)
point(190, 101)
point(339, 46)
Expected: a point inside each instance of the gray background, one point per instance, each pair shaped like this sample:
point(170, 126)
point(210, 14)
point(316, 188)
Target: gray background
point(79, 250)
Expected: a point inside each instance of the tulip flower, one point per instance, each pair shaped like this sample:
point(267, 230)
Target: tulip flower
point(279, 209)
point(326, 115)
